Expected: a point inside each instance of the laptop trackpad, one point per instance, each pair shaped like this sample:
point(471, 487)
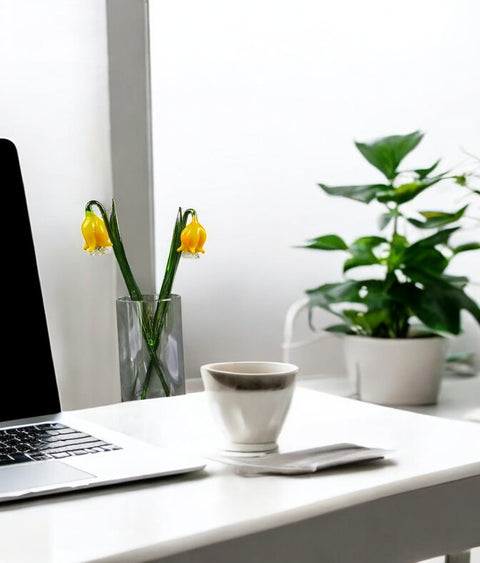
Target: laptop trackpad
point(27, 476)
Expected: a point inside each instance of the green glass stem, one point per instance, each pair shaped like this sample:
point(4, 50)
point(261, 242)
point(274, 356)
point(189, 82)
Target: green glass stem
point(166, 289)
point(150, 366)
point(152, 346)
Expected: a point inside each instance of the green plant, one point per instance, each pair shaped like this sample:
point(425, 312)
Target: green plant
point(409, 253)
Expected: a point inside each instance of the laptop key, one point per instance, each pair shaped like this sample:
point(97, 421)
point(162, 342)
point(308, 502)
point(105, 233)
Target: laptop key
point(20, 458)
point(74, 447)
point(39, 457)
point(44, 441)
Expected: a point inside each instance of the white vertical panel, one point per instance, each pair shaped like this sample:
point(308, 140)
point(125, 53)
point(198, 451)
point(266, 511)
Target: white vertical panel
point(129, 82)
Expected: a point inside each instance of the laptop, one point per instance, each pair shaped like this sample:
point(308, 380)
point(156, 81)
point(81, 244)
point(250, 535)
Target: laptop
point(43, 450)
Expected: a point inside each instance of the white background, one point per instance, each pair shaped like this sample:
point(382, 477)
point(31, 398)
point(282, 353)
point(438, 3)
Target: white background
point(254, 103)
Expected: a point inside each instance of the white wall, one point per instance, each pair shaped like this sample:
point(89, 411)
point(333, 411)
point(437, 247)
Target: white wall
point(255, 102)
point(54, 106)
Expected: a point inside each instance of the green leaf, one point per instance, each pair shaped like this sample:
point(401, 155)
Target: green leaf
point(386, 153)
point(403, 193)
point(466, 247)
point(407, 192)
point(439, 306)
point(371, 241)
point(339, 329)
point(384, 220)
point(438, 238)
point(324, 295)
point(372, 307)
point(457, 281)
point(120, 254)
point(466, 357)
point(423, 261)
point(327, 242)
point(362, 252)
point(435, 219)
point(422, 258)
point(397, 251)
point(369, 323)
point(424, 172)
point(363, 193)
point(374, 293)
point(370, 293)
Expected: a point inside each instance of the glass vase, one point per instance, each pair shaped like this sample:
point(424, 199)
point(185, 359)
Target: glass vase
point(150, 347)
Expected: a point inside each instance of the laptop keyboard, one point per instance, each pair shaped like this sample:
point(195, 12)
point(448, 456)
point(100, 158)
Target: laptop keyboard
point(50, 440)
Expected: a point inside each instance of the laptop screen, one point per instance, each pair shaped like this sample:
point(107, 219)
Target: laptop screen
point(29, 386)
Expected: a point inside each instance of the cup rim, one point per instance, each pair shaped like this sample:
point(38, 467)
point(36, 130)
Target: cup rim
point(227, 368)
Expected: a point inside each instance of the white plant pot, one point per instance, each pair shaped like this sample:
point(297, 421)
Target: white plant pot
point(406, 371)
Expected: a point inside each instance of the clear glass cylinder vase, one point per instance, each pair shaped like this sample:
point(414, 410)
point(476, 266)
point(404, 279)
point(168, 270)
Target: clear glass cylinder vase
point(150, 347)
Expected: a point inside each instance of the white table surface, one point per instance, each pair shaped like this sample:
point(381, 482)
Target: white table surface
point(406, 508)
point(459, 396)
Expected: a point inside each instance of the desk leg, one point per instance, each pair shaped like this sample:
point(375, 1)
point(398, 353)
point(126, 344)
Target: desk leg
point(463, 557)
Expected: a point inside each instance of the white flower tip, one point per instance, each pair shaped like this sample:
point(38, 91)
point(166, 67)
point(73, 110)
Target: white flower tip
point(190, 255)
point(100, 251)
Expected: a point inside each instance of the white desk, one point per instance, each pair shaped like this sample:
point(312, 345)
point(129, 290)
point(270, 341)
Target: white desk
point(459, 397)
point(423, 502)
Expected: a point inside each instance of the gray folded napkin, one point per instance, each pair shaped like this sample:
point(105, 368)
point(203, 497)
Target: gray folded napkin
point(302, 461)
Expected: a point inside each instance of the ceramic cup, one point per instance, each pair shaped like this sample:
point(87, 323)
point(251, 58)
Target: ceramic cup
point(249, 401)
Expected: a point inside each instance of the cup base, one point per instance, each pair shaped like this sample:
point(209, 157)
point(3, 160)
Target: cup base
point(251, 448)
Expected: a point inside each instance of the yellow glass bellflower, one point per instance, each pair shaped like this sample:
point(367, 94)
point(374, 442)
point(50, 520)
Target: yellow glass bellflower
point(95, 234)
point(193, 238)
point(103, 232)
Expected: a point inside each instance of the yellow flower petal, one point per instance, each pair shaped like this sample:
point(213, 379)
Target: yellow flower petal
point(193, 238)
point(101, 233)
point(95, 234)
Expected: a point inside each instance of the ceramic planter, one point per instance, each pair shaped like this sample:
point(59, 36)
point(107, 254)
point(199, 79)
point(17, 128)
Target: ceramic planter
point(396, 371)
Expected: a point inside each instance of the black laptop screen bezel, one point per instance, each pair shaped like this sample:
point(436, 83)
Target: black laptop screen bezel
point(29, 387)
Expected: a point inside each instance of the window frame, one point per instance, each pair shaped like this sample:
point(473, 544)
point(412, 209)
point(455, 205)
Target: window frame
point(130, 134)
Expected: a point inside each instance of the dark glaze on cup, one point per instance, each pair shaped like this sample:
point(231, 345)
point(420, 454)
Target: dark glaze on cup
point(252, 376)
